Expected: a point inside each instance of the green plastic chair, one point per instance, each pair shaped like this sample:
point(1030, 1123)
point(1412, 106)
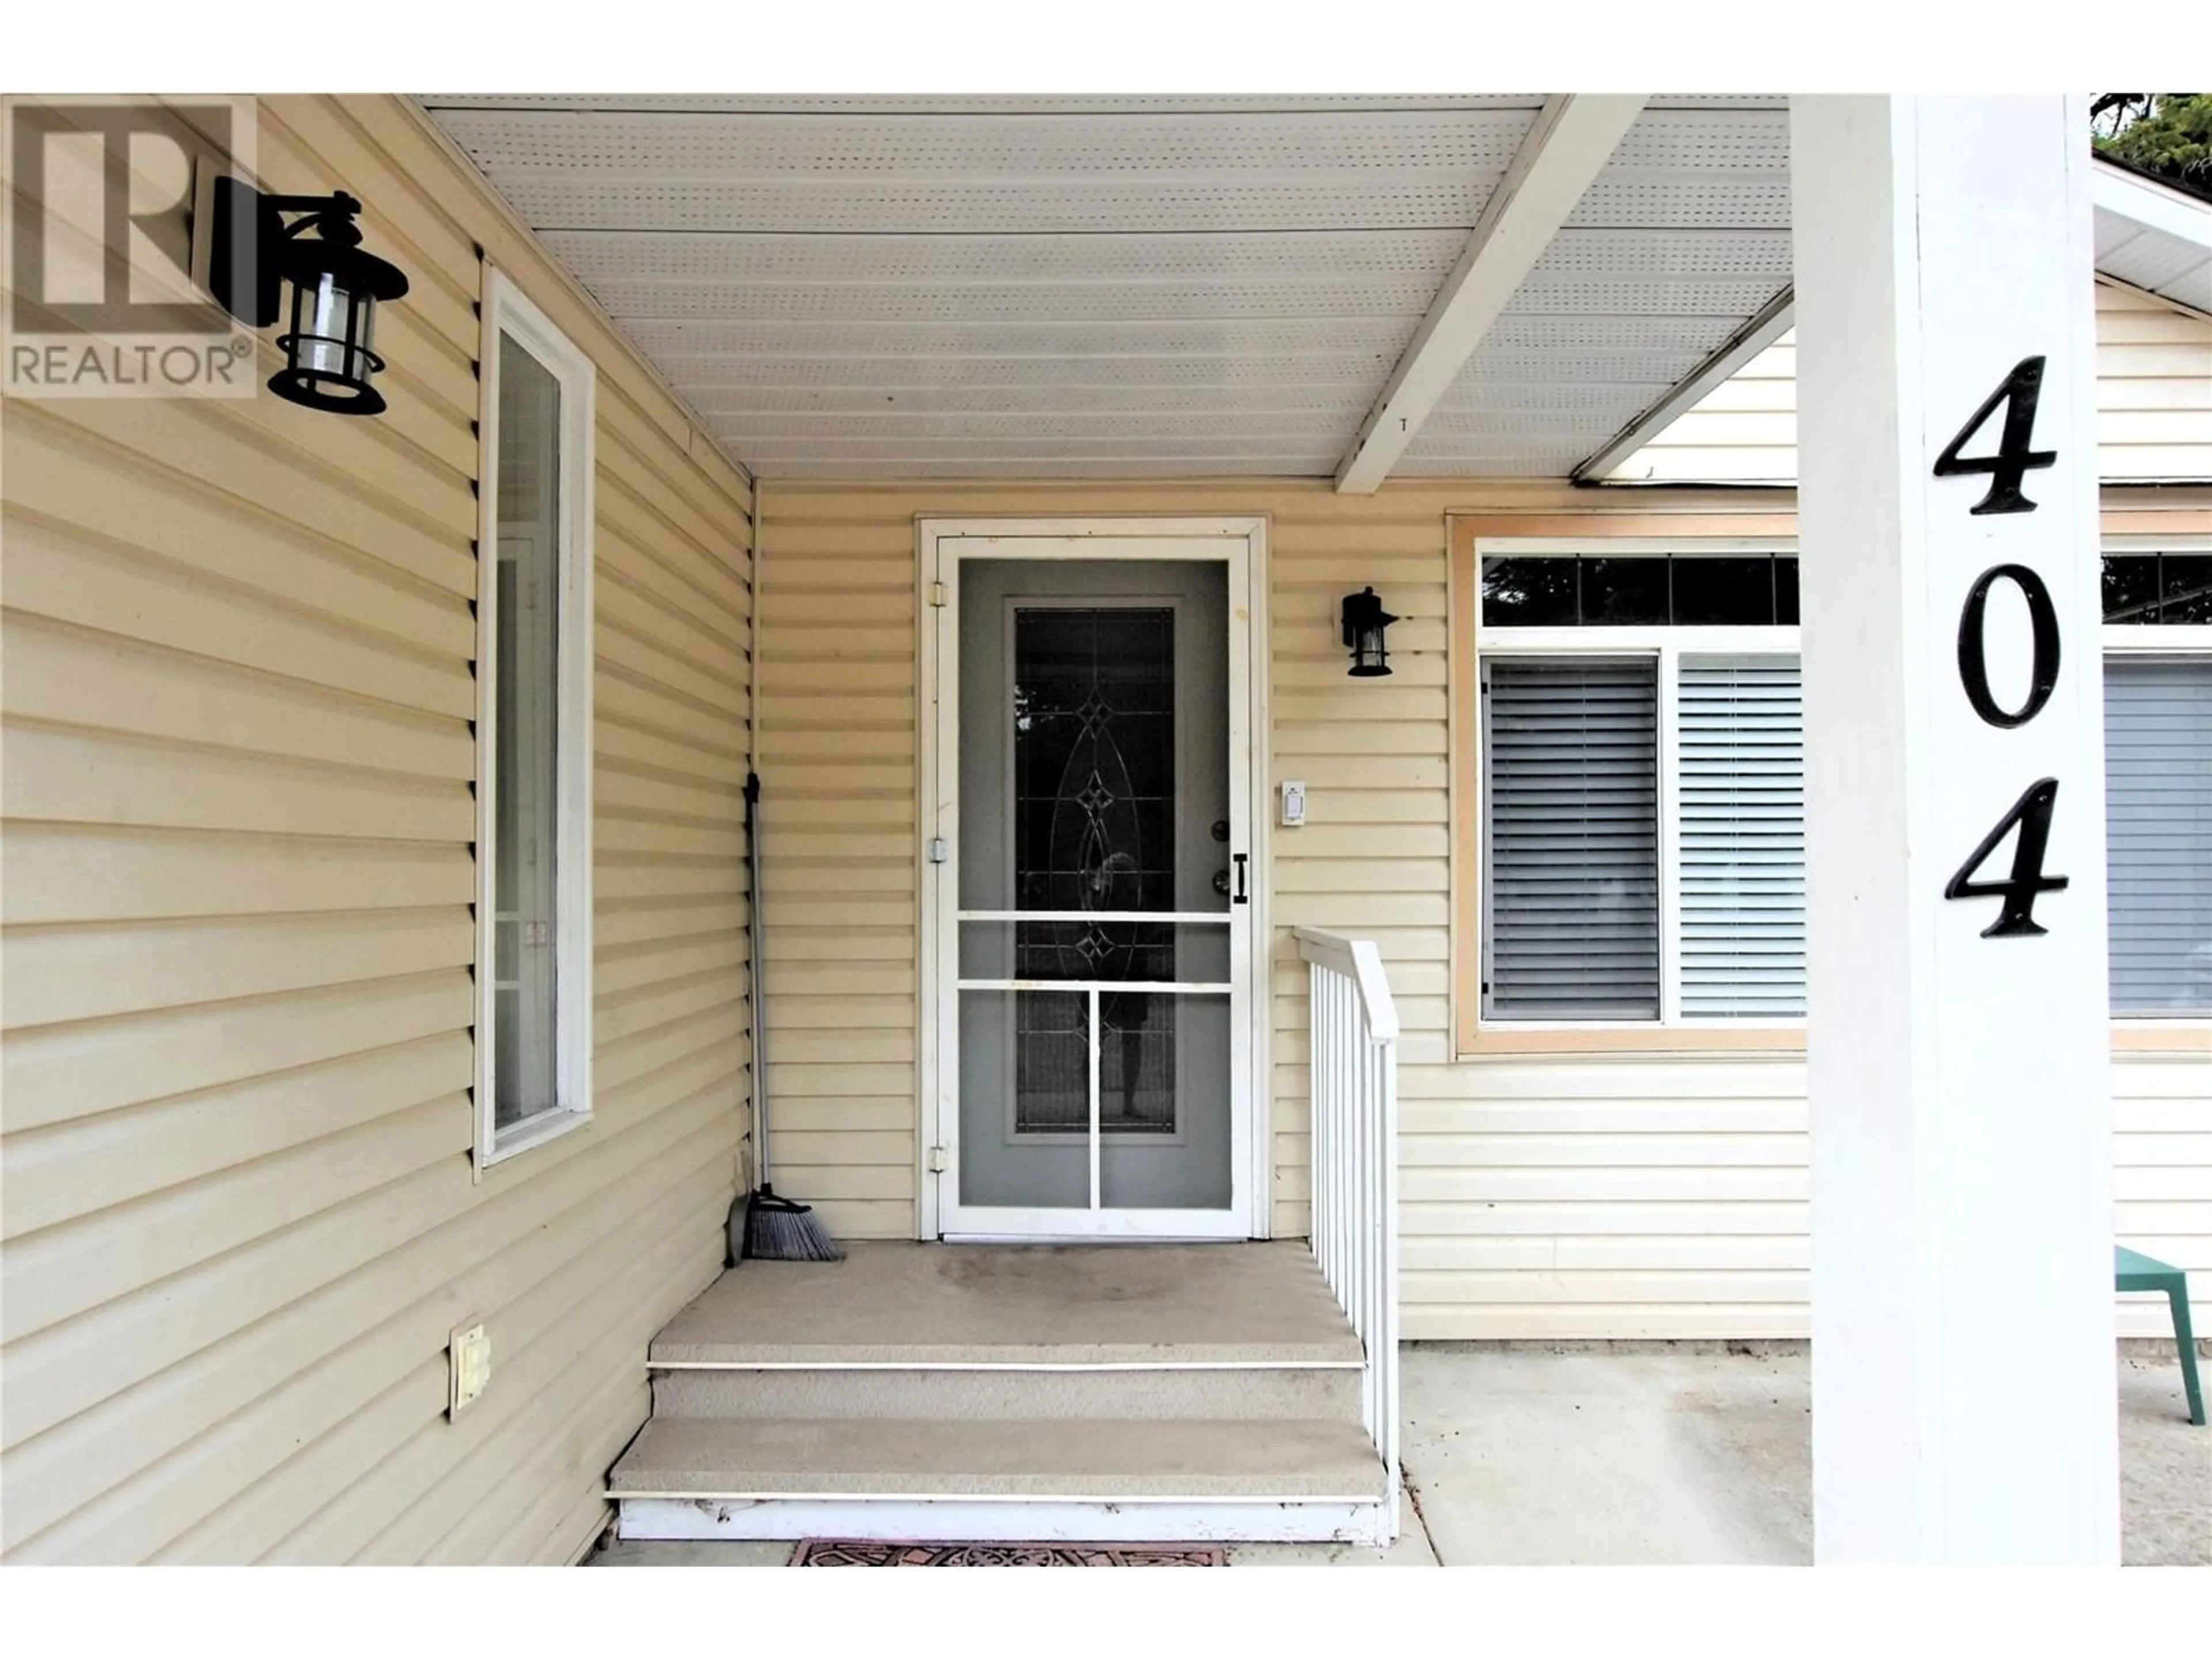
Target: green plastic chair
point(2133, 1271)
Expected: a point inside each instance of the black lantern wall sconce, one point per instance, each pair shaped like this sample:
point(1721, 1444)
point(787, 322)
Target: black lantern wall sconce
point(1366, 621)
point(330, 354)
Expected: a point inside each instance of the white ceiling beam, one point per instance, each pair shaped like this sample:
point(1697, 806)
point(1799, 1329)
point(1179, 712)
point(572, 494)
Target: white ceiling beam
point(1573, 137)
point(1769, 324)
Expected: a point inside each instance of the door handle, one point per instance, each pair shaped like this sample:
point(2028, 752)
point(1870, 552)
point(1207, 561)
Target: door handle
point(1238, 859)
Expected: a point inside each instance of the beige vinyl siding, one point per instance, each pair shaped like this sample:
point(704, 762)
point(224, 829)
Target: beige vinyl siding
point(2153, 406)
point(1629, 1197)
point(1612, 1196)
point(839, 593)
point(2162, 1176)
point(840, 909)
point(842, 829)
point(1569, 1195)
point(240, 1217)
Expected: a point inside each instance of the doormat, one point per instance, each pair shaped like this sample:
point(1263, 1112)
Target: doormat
point(852, 1553)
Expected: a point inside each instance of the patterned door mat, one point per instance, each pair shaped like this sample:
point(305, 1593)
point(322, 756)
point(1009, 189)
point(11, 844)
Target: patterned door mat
point(853, 1552)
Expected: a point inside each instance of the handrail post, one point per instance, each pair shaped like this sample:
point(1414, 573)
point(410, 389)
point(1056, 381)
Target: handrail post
point(1352, 1049)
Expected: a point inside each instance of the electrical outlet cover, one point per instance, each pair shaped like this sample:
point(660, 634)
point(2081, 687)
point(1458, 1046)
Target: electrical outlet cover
point(470, 1367)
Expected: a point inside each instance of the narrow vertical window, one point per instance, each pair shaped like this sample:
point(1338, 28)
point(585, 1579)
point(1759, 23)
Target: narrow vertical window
point(534, 957)
point(527, 672)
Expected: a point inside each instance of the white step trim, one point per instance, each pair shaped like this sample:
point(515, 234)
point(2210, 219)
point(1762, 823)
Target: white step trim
point(1005, 1365)
point(1046, 1520)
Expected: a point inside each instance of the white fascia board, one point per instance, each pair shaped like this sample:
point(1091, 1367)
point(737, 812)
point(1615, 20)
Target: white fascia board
point(1764, 327)
point(1572, 139)
point(2153, 206)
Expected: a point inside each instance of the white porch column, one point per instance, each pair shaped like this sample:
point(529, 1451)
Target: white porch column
point(1963, 1368)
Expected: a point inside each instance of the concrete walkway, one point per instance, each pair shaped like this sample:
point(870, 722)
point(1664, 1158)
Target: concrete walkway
point(1665, 1456)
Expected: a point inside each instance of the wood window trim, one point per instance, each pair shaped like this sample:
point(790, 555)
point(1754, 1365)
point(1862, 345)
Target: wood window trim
point(1765, 514)
point(2182, 1037)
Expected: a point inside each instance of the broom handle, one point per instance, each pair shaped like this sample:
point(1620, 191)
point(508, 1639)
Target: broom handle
point(760, 1019)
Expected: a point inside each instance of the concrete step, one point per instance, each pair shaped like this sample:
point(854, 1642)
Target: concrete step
point(917, 1305)
point(1086, 1461)
point(1224, 1393)
point(1024, 1391)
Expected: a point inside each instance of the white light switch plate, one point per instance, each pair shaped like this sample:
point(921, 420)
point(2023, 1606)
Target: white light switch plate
point(1294, 803)
point(471, 1366)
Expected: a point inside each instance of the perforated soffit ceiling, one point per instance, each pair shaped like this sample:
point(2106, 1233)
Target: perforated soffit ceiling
point(1125, 287)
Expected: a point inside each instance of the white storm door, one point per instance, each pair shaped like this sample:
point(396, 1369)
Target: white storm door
point(1094, 984)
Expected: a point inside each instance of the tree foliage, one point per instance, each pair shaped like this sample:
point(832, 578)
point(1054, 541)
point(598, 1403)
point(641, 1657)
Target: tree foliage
point(2167, 133)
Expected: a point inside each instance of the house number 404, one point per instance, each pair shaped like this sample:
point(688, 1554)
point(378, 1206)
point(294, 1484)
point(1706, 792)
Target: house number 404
point(2030, 814)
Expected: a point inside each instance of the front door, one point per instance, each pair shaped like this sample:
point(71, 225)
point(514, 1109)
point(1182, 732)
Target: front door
point(1094, 1000)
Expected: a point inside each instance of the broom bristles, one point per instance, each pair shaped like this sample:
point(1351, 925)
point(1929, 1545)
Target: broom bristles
point(777, 1230)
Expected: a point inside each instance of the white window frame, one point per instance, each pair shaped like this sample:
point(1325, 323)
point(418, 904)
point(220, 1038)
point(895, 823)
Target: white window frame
point(2151, 641)
point(1667, 644)
point(506, 310)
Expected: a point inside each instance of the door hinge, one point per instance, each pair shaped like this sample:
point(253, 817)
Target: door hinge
point(938, 1162)
point(937, 594)
point(940, 851)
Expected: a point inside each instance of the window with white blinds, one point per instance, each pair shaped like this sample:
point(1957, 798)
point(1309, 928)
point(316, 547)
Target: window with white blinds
point(1641, 767)
point(1571, 900)
point(1610, 783)
point(2158, 807)
point(1741, 837)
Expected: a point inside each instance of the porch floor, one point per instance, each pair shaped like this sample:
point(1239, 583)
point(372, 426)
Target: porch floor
point(924, 1304)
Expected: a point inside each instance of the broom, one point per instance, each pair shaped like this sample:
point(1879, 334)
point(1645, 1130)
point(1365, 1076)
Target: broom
point(763, 1227)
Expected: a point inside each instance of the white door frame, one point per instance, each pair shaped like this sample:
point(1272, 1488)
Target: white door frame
point(1240, 544)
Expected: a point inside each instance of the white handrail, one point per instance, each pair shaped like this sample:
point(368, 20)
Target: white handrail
point(1354, 1089)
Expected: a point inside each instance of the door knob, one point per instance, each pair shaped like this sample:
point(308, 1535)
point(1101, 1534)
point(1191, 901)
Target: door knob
point(1221, 883)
